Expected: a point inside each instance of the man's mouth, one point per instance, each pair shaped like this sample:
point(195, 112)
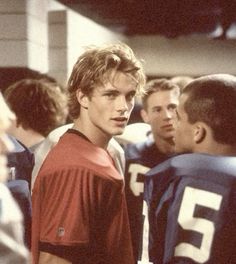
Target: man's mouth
point(168, 126)
point(120, 121)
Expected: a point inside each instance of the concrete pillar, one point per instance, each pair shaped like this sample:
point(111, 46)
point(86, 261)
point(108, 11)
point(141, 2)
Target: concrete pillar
point(57, 26)
point(69, 34)
point(24, 34)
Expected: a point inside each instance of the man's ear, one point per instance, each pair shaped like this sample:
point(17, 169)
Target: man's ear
point(144, 116)
point(200, 132)
point(82, 99)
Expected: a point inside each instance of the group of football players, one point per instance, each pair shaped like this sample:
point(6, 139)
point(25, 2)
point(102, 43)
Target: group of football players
point(168, 195)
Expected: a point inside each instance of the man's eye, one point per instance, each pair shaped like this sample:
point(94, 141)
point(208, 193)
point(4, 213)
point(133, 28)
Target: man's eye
point(130, 97)
point(157, 110)
point(172, 107)
point(110, 96)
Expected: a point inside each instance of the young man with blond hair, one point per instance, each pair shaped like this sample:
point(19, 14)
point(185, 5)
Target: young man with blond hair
point(79, 208)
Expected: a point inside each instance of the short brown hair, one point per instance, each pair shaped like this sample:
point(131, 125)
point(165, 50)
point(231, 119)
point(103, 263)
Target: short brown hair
point(157, 85)
point(212, 100)
point(39, 105)
point(93, 65)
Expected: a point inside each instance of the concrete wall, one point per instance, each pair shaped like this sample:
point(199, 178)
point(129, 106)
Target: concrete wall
point(69, 34)
point(193, 55)
point(23, 34)
point(46, 36)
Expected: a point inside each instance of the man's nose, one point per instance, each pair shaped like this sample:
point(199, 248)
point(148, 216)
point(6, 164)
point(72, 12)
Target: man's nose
point(168, 113)
point(122, 104)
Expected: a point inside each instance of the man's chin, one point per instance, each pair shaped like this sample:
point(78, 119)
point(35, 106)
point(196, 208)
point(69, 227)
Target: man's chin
point(118, 132)
point(169, 138)
point(169, 134)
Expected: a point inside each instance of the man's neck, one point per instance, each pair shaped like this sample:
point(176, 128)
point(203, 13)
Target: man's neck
point(165, 146)
point(96, 137)
point(28, 137)
point(217, 149)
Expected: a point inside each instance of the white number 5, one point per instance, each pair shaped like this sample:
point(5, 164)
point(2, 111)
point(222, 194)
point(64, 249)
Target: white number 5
point(191, 198)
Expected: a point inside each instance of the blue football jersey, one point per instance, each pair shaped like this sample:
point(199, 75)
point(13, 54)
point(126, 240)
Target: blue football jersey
point(20, 163)
point(192, 210)
point(140, 157)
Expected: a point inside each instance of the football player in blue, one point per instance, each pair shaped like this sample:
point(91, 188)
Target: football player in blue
point(192, 197)
point(158, 110)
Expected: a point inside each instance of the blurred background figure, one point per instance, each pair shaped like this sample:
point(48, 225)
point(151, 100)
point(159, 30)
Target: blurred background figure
point(20, 163)
point(12, 249)
point(6, 118)
point(39, 105)
point(158, 112)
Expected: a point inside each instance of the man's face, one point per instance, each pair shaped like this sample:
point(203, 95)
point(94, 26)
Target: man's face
point(184, 133)
point(110, 105)
point(160, 113)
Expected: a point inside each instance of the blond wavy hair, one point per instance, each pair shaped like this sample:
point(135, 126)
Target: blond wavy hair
point(95, 65)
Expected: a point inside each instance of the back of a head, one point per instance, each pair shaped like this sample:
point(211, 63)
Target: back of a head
point(39, 105)
point(94, 67)
point(212, 100)
point(157, 85)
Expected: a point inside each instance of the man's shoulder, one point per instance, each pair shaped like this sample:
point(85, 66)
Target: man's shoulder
point(192, 187)
point(198, 160)
point(221, 169)
point(77, 161)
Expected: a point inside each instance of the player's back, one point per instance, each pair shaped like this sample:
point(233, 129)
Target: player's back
point(192, 202)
